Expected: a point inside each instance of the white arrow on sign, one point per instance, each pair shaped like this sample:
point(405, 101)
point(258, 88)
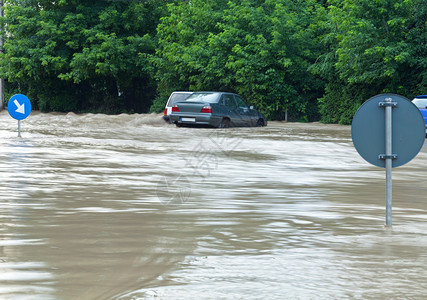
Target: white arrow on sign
point(20, 108)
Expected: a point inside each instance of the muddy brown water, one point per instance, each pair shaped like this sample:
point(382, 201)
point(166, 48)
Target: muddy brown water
point(127, 207)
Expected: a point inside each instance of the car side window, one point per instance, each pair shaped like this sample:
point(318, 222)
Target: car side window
point(228, 100)
point(240, 102)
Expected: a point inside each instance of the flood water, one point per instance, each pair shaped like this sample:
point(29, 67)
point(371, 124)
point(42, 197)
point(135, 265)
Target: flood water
point(128, 207)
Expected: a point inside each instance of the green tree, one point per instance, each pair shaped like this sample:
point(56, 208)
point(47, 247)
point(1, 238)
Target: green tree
point(259, 49)
point(374, 47)
point(82, 55)
point(183, 51)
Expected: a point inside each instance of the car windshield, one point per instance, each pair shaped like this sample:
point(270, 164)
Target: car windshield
point(420, 102)
point(203, 97)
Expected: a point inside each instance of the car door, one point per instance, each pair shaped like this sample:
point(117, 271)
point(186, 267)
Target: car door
point(243, 111)
point(229, 108)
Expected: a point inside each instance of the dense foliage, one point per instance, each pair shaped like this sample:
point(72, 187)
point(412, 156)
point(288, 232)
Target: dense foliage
point(259, 49)
point(310, 59)
point(373, 47)
point(82, 55)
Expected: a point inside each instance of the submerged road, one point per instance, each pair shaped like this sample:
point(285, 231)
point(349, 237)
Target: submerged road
point(128, 207)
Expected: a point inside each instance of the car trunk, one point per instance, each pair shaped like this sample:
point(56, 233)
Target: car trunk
point(191, 107)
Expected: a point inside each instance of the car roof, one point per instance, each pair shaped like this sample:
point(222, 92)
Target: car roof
point(212, 92)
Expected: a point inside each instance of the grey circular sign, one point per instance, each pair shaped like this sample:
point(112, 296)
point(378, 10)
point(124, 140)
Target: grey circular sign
point(368, 130)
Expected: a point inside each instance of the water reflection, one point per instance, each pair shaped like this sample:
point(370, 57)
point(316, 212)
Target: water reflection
point(127, 207)
point(21, 276)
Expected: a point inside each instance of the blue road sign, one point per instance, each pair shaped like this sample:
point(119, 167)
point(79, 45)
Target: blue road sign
point(19, 107)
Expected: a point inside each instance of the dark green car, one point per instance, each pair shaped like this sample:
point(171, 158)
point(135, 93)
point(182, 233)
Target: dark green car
point(215, 109)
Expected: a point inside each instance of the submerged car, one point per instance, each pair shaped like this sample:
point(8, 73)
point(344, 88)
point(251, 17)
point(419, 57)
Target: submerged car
point(215, 109)
point(173, 98)
point(421, 103)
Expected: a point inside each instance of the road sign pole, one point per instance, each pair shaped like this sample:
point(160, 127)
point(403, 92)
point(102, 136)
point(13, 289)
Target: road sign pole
point(401, 122)
point(388, 161)
point(19, 128)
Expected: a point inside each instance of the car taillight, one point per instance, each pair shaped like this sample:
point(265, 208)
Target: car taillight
point(175, 108)
point(166, 112)
point(206, 109)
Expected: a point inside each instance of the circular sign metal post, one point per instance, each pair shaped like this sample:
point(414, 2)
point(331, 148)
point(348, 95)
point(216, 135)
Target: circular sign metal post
point(388, 131)
point(19, 108)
